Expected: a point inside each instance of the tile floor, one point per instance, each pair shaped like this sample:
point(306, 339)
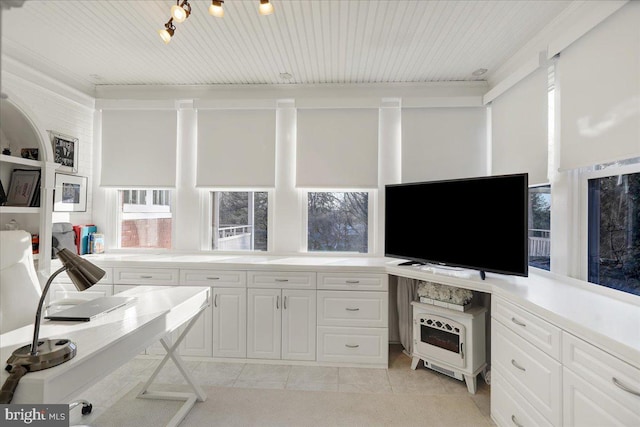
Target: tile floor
point(397, 379)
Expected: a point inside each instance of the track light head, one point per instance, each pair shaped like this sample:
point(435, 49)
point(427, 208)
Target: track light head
point(167, 32)
point(216, 8)
point(180, 12)
point(265, 8)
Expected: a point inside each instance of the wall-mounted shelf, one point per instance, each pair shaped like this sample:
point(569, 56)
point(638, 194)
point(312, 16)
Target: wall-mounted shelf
point(19, 209)
point(20, 161)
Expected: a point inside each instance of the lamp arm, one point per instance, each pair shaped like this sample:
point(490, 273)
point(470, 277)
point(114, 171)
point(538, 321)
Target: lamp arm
point(36, 329)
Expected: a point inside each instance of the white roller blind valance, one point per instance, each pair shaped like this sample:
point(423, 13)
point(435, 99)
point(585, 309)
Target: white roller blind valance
point(337, 148)
point(599, 81)
point(139, 148)
point(443, 143)
point(236, 148)
point(519, 134)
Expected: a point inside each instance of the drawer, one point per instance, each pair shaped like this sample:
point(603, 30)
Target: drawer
point(216, 278)
point(542, 334)
point(509, 408)
point(603, 371)
point(353, 281)
point(353, 345)
point(534, 374)
point(281, 279)
point(353, 308)
point(146, 276)
point(107, 279)
point(61, 291)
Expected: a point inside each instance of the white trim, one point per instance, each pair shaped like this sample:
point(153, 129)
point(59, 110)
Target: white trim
point(512, 79)
point(596, 12)
point(138, 104)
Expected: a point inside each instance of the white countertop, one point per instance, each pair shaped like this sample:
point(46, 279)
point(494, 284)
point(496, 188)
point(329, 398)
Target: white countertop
point(609, 319)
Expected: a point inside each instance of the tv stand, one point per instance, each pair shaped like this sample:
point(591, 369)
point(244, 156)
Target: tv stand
point(412, 263)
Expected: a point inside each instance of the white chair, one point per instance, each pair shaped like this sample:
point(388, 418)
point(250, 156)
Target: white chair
point(20, 289)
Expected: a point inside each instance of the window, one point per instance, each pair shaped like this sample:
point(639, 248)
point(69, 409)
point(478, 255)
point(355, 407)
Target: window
point(145, 219)
point(613, 222)
point(338, 222)
point(540, 227)
point(239, 220)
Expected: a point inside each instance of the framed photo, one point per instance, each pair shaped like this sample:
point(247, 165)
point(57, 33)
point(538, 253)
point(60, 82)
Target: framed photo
point(29, 153)
point(70, 194)
point(24, 187)
point(65, 151)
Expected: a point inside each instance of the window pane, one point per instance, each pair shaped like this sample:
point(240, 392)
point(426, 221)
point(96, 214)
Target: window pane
point(143, 222)
point(239, 220)
point(540, 227)
point(338, 222)
point(614, 232)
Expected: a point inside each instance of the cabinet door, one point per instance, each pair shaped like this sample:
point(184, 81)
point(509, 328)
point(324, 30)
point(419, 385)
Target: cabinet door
point(229, 322)
point(198, 341)
point(264, 323)
point(298, 324)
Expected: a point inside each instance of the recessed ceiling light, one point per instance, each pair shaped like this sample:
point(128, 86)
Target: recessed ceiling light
point(479, 72)
point(286, 76)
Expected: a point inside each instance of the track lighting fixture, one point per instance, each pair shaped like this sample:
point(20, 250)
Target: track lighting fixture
point(216, 8)
point(182, 9)
point(180, 12)
point(265, 8)
point(167, 32)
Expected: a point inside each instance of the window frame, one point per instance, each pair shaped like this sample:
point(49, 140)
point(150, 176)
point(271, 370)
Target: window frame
point(206, 201)
point(371, 221)
point(119, 217)
point(584, 176)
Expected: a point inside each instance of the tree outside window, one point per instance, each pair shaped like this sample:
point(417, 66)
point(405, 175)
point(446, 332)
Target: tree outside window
point(338, 222)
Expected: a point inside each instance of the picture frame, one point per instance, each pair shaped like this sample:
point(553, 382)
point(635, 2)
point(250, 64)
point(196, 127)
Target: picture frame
point(65, 151)
point(29, 153)
point(70, 193)
point(24, 188)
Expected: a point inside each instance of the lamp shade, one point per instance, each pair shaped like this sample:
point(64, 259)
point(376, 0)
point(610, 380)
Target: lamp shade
point(82, 273)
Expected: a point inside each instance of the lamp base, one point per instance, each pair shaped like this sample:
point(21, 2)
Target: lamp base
point(51, 352)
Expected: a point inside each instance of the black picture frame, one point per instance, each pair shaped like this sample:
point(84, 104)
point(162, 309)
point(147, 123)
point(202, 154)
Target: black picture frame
point(65, 151)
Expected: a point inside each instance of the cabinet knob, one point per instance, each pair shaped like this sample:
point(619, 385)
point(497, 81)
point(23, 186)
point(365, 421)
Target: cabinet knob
point(517, 365)
point(515, 421)
point(519, 323)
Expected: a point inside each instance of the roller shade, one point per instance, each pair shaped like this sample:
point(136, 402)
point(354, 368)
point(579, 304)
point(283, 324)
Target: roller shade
point(236, 148)
point(139, 148)
point(443, 143)
point(599, 81)
point(337, 148)
point(519, 132)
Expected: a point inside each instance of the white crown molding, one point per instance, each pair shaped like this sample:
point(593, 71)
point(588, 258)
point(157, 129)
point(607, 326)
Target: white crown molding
point(576, 20)
point(17, 70)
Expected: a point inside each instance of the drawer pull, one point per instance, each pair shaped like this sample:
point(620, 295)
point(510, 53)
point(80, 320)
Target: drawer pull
point(352, 346)
point(213, 278)
point(146, 277)
point(285, 302)
point(353, 282)
point(626, 388)
point(519, 323)
point(514, 363)
point(282, 280)
point(515, 421)
point(352, 309)
point(278, 302)
point(215, 300)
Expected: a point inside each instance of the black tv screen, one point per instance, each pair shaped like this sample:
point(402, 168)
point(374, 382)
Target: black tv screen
point(478, 223)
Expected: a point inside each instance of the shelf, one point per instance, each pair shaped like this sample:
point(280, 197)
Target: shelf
point(19, 209)
point(20, 161)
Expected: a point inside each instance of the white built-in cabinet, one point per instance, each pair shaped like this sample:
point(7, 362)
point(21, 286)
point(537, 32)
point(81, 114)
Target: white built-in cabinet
point(545, 376)
point(229, 322)
point(281, 315)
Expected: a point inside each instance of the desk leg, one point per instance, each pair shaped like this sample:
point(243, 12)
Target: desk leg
point(190, 398)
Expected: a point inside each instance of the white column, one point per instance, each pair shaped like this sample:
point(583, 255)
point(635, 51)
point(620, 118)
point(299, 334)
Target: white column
point(186, 206)
point(285, 223)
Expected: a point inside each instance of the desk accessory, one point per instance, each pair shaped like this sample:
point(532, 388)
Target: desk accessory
point(50, 352)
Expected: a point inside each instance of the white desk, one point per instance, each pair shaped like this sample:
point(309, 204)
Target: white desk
point(109, 341)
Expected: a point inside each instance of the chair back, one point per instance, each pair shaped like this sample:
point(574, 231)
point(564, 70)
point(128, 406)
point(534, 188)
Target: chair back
point(19, 286)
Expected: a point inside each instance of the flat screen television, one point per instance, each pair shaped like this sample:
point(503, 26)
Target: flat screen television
point(478, 223)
